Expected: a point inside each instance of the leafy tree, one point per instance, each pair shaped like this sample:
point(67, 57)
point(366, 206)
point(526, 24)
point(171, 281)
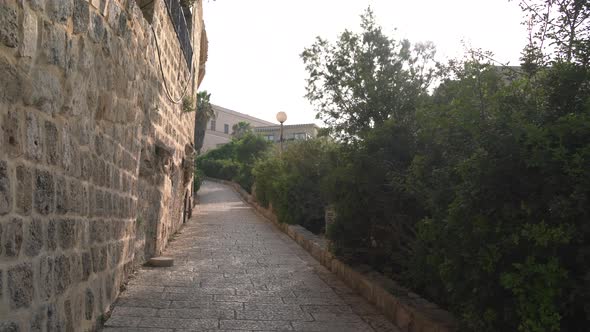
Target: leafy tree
point(364, 79)
point(204, 112)
point(475, 196)
point(563, 25)
point(240, 129)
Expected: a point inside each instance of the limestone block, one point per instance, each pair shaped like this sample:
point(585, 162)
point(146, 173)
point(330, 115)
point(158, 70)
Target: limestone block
point(45, 275)
point(99, 259)
point(10, 82)
point(9, 326)
point(61, 206)
point(8, 25)
point(54, 320)
point(77, 197)
point(97, 231)
point(24, 190)
point(52, 144)
point(13, 237)
point(86, 165)
point(114, 11)
point(88, 304)
point(86, 265)
point(28, 47)
point(36, 4)
point(60, 10)
point(98, 203)
point(86, 59)
point(70, 153)
point(97, 28)
point(67, 231)
point(5, 189)
point(54, 44)
point(37, 319)
point(76, 268)
point(34, 237)
point(43, 89)
point(51, 231)
point(81, 16)
point(108, 206)
point(62, 274)
point(33, 138)
point(44, 195)
point(123, 29)
point(20, 286)
point(67, 310)
point(75, 101)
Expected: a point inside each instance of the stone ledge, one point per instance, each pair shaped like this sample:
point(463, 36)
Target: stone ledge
point(407, 310)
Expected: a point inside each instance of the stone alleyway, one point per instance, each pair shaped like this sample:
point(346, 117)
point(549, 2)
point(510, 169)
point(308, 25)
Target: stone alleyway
point(235, 271)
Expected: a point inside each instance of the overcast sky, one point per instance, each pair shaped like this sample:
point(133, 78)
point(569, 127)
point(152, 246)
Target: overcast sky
point(254, 45)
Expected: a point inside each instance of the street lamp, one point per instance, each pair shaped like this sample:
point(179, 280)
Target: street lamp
point(281, 117)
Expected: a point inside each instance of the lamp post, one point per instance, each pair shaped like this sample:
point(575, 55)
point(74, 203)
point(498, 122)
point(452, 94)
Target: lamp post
point(281, 117)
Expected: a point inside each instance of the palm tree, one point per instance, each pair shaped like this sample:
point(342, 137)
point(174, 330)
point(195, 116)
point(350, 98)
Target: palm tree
point(240, 129)
point(204, 112)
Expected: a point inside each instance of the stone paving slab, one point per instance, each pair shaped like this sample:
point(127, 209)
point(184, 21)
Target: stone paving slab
point(234, 271)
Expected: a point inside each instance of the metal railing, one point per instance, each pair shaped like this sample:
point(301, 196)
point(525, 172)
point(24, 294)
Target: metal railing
point(178, 16)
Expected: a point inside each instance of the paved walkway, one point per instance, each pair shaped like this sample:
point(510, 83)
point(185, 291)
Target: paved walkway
point(235, 271)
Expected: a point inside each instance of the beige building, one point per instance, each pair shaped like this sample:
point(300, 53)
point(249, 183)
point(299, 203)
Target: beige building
point(294, 132)
point(219, 129)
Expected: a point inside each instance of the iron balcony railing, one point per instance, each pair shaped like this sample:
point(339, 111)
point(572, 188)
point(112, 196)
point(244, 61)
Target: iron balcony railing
point(179, 20)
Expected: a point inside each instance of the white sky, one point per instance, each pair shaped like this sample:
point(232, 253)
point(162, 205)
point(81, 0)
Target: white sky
point(254, 45)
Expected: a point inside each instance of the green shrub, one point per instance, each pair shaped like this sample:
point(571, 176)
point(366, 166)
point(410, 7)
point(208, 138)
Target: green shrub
point(291, 183)
point(198, 179)
point(234, 161)
point(508, 194)
point(266, 172)
point(220, 169)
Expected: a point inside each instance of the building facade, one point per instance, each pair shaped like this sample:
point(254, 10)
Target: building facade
point(219, 129)
point(294, 132)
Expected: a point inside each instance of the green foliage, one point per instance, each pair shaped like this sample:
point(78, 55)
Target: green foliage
point(234, 161)
point(188, 104)
point(375, 211)
point(364, 79)
point(476, 196)
point(240, 129)
point(291, 183)
point(198, 179)
point(559, 32)
point(204, 112)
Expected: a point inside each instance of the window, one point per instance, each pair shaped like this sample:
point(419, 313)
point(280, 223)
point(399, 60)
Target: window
point(299, 136)
point(226, 128)
point(270, 137)
point(213, 125)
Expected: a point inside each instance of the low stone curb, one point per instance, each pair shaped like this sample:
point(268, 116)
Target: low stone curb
point(407, 310)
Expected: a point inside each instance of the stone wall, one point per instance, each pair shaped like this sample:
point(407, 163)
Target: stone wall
point(95, 160)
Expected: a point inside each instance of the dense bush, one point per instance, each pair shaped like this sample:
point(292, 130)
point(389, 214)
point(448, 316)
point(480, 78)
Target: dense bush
point(506, 240)
point(291, 182)
point(476, 195)
point(198, 180)
point(234, 161)
point(224, 169)
point(375, 213)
